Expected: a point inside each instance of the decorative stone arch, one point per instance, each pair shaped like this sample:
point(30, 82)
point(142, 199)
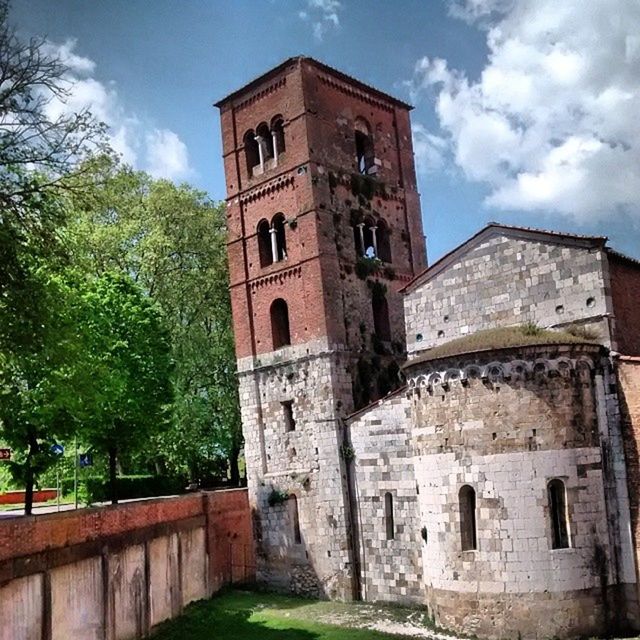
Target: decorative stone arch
point(518, 369)
point(493, 371)
point(452, 375)
point(471, 372)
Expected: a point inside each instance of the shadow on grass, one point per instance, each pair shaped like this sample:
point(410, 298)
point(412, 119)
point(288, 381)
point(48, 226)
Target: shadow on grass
point(208, 620)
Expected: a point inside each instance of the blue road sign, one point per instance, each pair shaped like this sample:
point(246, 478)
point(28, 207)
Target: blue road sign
point(86, 460)
point(57, 449)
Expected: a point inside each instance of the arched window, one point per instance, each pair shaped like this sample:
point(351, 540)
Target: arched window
point(264, 243)
point(558, 513)
point(388, 516)
point(467, 499)
point(368, 238)
point(277, 135)
point(251, 153)
point(381, 324)
point(383, 241)
point(280, 323)
point(279, 225)
point(294, 518)
point(265, 141)
point(364, 146)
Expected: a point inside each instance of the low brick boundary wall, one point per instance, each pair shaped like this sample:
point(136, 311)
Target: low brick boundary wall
point(113, 573)
point(17, 497)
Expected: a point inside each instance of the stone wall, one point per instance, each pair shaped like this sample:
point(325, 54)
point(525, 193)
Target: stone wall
point(505, 278)
point(118, 571)
point(390, 569)
point(506, 424)
point(304, 462)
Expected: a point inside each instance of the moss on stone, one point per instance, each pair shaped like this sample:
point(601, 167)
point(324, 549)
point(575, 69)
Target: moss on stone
point(501, 338)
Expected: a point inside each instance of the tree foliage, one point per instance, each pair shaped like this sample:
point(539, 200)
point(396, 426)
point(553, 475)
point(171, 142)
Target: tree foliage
point(128, 365)
point(42, 380)
point(38, 149)
point(171, 240)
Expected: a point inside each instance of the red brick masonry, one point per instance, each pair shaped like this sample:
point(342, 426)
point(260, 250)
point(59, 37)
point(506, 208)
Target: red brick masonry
point(17, 497)
point(226, 515)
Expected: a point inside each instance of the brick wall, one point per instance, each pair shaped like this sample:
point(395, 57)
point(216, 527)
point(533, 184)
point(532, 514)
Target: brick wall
point(625, 293)
point(118, 571)
point(629, 394)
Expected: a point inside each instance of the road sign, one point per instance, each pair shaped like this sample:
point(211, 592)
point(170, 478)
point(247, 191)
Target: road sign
point(5, 454)
point(86, 460)
point(57, 449)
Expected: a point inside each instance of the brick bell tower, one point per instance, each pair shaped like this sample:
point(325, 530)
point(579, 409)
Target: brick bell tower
point(324, 229)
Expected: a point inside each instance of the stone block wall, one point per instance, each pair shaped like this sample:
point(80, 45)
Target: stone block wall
point(304, 462)
point(390, 569)
point(117, 572)
point(505, 280)
point(506, 429)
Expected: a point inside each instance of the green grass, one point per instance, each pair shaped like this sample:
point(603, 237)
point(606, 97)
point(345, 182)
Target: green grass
point(239, 615)
point(502, 338)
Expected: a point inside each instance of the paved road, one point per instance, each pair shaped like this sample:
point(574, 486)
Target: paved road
point(39, 510)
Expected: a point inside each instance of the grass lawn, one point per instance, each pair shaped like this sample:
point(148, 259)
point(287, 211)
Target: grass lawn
point(241, 615)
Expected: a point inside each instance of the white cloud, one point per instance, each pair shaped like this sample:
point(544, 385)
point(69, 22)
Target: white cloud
point(323, 15)
point(429, 149)
point(159, 151)
point(167, 155)
point(551, 122)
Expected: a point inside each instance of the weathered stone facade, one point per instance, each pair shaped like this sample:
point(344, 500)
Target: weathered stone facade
point(340, 173)
point(494, 487)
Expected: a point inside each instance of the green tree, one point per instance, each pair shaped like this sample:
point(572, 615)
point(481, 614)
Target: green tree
point(37, 151)
point(129, 369)
point(172, 241)
point(42, 378)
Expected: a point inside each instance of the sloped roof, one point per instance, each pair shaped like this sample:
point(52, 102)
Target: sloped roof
point(496, 228)
point(320, 65)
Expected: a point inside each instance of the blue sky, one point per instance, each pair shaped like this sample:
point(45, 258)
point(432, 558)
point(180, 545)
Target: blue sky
point(526, 111)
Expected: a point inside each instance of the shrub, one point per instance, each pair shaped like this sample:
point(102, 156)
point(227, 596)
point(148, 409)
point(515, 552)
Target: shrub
point(96, 489)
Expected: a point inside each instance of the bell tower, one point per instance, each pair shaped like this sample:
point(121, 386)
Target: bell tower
point(324, 229)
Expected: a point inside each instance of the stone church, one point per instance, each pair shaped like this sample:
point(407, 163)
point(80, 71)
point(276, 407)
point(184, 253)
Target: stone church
point(460, 435)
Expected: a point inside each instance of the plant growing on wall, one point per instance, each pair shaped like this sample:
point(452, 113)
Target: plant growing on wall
point(347, 452)
point(366, 266)
point(277, 496)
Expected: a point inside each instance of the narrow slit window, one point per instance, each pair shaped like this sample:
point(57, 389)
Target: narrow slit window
point(252, 155)
point(278, 224)
point(280, 323)
point(294, 517)
point(264, 244)
point(558, 511)
point(364, 146)
point(287, 411)
point(388, 516)
point(467, 498)
point(381, 324)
